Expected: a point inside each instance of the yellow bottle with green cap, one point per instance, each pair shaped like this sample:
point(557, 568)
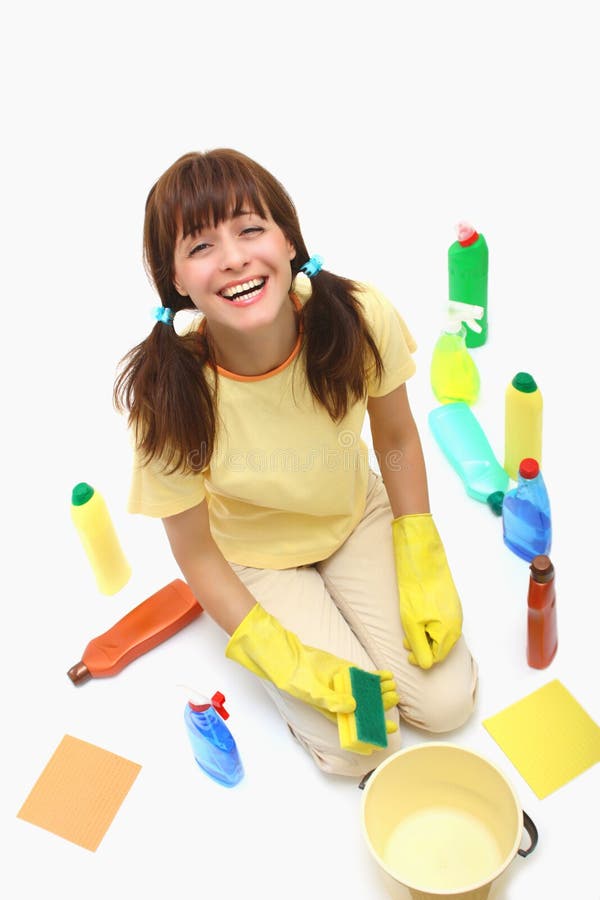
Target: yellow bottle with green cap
point(92, 520)
point(522, 423)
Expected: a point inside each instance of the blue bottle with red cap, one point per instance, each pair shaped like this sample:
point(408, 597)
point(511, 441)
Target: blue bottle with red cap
point(213, 745)
point(526, 522)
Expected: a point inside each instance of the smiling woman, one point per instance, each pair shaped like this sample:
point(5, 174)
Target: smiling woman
point(296, 562)
point(240, 263)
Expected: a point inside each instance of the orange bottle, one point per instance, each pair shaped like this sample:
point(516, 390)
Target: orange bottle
point(148, 624)
point(542, 634)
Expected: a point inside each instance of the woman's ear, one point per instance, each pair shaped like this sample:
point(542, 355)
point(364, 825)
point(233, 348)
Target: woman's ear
point(291, 251)
point(179, 288)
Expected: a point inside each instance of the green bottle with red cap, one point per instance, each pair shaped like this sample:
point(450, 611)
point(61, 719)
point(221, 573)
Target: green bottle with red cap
point(468, 276)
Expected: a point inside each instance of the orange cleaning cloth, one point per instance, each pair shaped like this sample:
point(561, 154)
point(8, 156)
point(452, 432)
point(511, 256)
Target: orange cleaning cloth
point(79, 792)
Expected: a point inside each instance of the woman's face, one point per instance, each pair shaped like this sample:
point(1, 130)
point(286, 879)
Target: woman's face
point(238, 272)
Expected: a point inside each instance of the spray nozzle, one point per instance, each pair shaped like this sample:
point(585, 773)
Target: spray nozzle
point(199, 702)
point(463, 312)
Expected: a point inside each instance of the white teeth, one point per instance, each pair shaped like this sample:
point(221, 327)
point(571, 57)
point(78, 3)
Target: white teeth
point(232, 292)
point(246, 296)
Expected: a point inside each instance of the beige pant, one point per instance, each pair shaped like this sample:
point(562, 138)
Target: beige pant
point(348, 605)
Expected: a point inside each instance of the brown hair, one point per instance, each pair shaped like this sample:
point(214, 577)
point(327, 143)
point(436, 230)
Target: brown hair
point(161, 382)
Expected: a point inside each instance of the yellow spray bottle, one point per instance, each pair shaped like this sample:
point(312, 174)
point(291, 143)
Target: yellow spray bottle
point(92, 520)
point(453, 372)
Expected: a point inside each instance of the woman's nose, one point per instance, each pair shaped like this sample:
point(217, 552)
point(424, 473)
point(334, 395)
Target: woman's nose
point(233, 254)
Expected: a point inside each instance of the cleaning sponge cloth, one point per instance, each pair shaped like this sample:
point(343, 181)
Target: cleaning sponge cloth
point(364, 729)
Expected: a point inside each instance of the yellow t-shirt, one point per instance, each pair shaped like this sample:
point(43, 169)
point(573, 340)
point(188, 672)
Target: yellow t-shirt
point(285, 485)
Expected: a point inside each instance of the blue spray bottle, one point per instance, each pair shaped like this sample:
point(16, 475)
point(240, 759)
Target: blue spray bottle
point(213, 745)
point(526, 519)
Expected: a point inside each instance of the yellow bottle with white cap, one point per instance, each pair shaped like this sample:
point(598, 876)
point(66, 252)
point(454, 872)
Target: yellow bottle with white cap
point(92, 520)
point(522, 423)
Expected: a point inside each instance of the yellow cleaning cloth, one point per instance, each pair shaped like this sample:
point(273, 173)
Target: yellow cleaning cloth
point(548, 737)
point(79, 792)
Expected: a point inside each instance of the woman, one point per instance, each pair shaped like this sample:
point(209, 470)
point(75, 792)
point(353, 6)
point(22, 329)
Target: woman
point(247, 402)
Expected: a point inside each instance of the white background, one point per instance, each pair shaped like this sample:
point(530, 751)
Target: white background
point(387, 122)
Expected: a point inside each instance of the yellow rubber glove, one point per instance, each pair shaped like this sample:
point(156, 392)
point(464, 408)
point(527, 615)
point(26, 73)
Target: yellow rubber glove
point(262, 645)
point(430, 608)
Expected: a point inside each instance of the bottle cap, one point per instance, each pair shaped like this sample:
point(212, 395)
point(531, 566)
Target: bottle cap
point(495, 501)
point(79, 673)
point(524, 382)
point(81, 493)
point(529, 468)
point(542, 569)
point(198, 702)
point(466, 234)
point(197, 706)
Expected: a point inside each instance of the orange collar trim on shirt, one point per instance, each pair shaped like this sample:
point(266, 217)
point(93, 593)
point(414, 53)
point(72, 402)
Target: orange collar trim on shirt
point(233, 375)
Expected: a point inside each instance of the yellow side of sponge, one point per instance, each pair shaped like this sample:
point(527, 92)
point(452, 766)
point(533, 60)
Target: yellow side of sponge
point(346, 722)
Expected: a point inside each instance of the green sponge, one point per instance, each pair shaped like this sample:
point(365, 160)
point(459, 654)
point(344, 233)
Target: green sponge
point(365, 728)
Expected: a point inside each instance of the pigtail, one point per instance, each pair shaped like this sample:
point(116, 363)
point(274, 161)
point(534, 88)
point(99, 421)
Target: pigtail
point(340, 350)
point(162, 385)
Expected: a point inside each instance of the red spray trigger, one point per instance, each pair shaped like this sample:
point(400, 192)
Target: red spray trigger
point(217, 701)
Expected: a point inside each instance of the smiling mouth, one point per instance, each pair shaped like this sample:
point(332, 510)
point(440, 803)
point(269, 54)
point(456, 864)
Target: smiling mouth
point(244, 291)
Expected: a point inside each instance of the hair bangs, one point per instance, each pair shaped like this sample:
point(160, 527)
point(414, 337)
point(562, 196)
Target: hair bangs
point(215, 190)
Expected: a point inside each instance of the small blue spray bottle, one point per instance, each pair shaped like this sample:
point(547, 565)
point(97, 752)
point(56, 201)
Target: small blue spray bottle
point(526, 520)
point(213, 745)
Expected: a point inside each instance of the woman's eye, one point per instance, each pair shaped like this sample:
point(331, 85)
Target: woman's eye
point(198, 248)
point(253, 229)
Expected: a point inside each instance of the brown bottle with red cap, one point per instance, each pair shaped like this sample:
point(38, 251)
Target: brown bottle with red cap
point(542, 634)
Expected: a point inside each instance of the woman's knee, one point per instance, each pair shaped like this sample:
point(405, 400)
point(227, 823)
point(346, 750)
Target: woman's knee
point(320, 738)
point(331, 758)
point(446, 694)
point(450, 714)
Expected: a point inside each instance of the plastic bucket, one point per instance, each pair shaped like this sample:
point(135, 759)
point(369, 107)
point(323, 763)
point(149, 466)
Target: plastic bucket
point(441, 821)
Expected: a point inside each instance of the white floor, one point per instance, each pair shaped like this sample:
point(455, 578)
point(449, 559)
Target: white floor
point(436, 116)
